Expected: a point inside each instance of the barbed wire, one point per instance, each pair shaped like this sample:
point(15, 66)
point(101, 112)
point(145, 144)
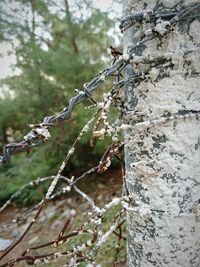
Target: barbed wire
point(40, 206)
point(151, 16)
point(40, 133)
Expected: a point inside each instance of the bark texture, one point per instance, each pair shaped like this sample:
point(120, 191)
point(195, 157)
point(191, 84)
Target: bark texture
point(162, 150)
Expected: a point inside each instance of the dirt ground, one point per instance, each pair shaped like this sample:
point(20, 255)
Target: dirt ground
point(102, 188)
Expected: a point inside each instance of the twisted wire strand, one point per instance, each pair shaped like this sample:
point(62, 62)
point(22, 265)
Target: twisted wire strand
point(40, 132)
point(152, 16)
point(35, 137)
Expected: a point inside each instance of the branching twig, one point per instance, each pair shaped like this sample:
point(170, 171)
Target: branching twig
point(39, 135)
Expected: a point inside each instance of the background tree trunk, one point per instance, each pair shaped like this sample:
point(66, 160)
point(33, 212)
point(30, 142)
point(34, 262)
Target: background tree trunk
point(162, 150)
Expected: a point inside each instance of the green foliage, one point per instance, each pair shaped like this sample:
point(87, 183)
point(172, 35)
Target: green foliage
point(13, 177)
point(107, 254)
point(57, 50)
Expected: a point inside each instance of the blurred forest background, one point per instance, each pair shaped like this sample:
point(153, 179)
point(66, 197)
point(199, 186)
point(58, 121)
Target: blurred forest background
point(58, 45)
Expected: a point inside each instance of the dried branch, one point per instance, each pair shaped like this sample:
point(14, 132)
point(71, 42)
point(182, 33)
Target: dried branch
point(39, 135)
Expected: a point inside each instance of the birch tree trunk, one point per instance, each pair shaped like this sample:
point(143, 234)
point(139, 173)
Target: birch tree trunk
point(162, 151)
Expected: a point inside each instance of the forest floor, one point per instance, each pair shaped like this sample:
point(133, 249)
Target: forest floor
point(101, 189)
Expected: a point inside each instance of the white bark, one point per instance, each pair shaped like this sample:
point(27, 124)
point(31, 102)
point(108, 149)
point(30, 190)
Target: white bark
point(163, 155)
